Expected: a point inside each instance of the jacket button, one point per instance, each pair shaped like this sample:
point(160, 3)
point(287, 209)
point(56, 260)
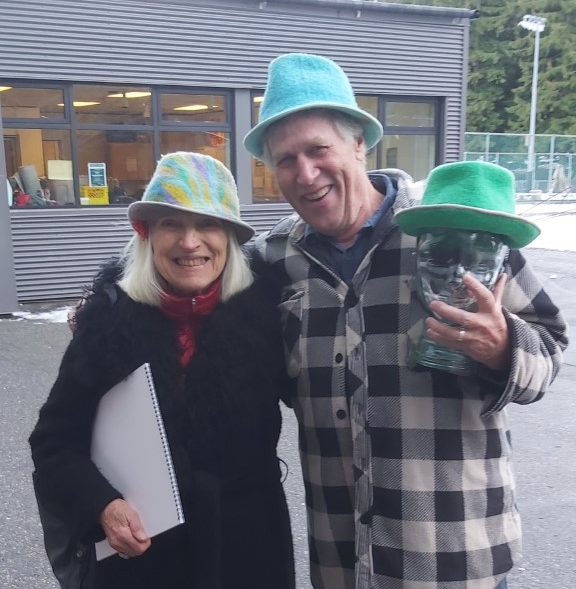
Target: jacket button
point(341, 414)
point(338, 358)
point(80, 552)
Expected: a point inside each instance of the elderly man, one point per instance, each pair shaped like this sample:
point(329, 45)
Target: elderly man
point(406, 468)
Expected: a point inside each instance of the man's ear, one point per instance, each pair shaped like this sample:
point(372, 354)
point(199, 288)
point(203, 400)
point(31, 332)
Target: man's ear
point(360, 148)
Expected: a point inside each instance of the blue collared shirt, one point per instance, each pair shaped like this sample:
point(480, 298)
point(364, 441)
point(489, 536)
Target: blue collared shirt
point(345, 261)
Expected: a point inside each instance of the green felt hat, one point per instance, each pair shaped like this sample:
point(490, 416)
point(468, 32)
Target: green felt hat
point(302, 81)
point(473, 196)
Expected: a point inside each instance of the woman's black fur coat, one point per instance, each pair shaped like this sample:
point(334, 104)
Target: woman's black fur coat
point(222, 418)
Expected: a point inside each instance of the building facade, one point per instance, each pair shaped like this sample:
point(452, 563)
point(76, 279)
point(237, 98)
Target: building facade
point(91, 94)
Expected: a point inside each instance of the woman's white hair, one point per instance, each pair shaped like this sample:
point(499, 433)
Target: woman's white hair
point(141, 281)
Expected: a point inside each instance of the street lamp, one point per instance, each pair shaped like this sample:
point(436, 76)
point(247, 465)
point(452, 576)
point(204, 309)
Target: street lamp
point(536, 24)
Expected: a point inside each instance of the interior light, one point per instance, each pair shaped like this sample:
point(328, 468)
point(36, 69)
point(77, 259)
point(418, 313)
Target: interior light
point(193, 107)
point(2, 88)
point(133, 94)
point(80, 103)
point(258, 98)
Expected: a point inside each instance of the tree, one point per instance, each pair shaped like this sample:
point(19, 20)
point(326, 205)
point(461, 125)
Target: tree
point(501, 60)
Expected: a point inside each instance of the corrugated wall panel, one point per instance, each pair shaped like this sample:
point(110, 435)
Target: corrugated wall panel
point(56, 252)
point(145, 43)
point(153, 43)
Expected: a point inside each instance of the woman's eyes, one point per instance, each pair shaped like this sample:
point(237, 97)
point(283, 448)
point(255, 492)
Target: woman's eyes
point(168, 223)
point(207, 223)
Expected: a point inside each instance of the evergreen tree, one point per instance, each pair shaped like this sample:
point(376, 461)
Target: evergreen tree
point(501, 60)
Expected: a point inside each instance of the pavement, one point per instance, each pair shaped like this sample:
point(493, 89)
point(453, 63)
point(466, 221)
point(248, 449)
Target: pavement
point(544, 437)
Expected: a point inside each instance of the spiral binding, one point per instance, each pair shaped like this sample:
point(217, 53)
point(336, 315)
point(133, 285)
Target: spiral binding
point(165, 445)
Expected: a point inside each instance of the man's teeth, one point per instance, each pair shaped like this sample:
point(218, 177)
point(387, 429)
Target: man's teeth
point(319, 194)
point(194, 262)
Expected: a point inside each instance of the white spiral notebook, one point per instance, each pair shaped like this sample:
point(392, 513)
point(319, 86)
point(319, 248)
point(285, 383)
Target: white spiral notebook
point(130, 448)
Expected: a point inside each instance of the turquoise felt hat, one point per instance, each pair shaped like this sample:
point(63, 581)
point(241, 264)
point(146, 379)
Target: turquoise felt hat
point(473, 196)
point(302, 81)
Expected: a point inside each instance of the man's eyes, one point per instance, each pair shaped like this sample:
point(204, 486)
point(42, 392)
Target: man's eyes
point(314, 151)
point(285, 161)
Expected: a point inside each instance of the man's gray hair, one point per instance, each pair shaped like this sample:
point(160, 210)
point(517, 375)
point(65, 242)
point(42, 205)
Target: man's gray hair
point(141, 281)
point(349, 128)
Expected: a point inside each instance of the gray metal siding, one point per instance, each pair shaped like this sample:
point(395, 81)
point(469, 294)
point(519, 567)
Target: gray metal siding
point(56, 252)
point(150, 43)
point(222, 46)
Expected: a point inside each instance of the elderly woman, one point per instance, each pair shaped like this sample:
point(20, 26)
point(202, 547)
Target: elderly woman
point(181, 298)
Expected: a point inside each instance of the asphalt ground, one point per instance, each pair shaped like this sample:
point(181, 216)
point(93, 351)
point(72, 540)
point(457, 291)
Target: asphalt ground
point(544, 436)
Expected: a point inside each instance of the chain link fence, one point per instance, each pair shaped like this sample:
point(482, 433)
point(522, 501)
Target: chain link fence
point(555, 161)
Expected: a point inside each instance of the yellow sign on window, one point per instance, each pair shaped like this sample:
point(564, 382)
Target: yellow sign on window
point(96, 195)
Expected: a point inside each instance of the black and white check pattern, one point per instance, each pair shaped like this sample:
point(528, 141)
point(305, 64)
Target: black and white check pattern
point(407, 471)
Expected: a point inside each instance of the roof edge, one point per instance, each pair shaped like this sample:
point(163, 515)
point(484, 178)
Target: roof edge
point(375, 5)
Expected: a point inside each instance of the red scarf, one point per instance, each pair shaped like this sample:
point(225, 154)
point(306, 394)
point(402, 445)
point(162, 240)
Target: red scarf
point(188, 312)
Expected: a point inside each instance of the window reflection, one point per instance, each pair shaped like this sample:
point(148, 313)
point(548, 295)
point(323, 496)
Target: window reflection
point(216, 143)
point(193, 108)
point(117, 105)
point(414, 154)
point(410, 114)
point(264, 187)
point(32, 103)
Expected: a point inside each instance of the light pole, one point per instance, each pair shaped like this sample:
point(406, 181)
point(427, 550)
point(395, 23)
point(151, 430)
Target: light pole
point(536, 24)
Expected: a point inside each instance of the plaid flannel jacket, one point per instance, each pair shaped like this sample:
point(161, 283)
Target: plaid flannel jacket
point(407, 471)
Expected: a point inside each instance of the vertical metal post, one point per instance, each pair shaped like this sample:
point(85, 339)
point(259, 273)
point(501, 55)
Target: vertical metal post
point(533, 103)
point(8, 295)
point(536, 24)
point(551, 164)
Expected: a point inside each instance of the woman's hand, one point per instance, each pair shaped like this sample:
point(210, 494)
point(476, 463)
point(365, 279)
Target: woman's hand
point(124, 529)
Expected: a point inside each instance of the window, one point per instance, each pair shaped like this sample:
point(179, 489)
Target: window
point(414, 154)
point(410, 114)
point(193, 108)
point(411, 130)
point(214, 143)
point(264, 187)
point(32, 103)
point(128, 164)
point(410, 142)
point(113, 105)
point(38, 167)
point(87, 144)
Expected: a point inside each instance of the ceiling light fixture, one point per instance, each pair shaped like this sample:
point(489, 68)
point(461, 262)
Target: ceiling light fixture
point(3, 88)
point(133, 94)
point(80, 103)
point(193, 107)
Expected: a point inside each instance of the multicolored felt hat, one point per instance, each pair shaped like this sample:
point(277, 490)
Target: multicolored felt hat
point(302, 81)
point(195, 183)
point(474, 196)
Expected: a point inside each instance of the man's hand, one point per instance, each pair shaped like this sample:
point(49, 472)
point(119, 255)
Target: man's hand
point(483, 336)
point(124, 529)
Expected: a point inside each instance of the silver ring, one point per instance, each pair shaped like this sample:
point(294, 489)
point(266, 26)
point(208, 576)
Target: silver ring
point(124, 556)
point(461, 335)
